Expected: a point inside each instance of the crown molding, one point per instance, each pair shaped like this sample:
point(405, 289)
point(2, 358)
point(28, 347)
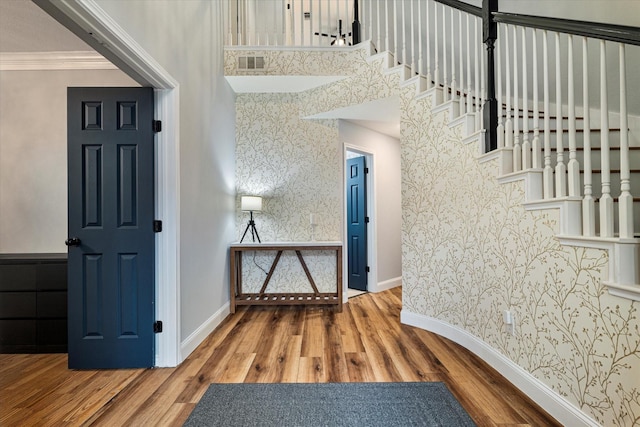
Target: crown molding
point(20, 61)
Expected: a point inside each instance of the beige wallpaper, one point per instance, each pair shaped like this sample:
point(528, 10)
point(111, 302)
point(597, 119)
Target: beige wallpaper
point(469, 248)
point(294, 164)
point(470, 251)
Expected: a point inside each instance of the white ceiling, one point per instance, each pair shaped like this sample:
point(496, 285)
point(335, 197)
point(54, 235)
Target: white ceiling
point(381, 115)
point(277, 84)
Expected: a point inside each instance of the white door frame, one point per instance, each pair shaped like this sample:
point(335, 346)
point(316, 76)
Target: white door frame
point(372, 251)
point(89, 22)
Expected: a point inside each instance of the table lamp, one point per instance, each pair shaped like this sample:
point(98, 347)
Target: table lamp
point(251, 204)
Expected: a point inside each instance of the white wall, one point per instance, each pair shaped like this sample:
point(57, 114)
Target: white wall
point(33, 155)
point(387, 216)
point(186, 39)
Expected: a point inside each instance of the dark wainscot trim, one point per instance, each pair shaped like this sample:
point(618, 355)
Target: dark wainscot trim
point(33, 303)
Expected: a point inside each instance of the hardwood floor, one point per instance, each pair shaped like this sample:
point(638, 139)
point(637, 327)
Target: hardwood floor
point(364, 343)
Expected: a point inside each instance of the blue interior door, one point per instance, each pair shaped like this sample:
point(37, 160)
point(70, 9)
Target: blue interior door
point(111, 292)
point(357, 223)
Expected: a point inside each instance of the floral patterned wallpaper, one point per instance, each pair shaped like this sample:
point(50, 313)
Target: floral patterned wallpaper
point(470, 250)
point(294, 164)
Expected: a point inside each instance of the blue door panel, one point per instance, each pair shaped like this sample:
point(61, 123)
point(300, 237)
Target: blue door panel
point(357, 225)
point(111, 210)
point(127, 186)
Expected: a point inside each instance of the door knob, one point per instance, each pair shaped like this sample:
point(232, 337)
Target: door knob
point(72, 241)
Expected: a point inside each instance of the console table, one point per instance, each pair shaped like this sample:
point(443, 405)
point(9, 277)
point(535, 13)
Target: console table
point(239, 297)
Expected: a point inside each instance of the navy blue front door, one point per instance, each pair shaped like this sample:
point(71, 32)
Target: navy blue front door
point(111, 292)
point(357, 223)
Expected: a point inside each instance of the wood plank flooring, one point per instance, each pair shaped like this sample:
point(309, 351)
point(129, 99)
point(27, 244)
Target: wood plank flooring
point(364, 343)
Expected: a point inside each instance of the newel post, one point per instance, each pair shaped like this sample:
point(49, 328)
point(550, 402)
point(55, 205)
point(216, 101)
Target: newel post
point(355, 26)
point(489, 35)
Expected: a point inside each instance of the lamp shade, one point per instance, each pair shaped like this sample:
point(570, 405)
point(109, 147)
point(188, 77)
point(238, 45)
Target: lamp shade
point(251, 203)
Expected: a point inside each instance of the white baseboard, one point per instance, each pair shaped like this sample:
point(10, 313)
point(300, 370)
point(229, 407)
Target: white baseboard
point(388, 284)
point(195, 339)
point(556, 405)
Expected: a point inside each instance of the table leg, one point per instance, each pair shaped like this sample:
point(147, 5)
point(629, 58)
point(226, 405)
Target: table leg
point(339, 277)
point(232, 281)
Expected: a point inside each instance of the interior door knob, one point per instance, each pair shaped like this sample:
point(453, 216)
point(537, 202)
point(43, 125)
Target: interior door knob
point(72, 241)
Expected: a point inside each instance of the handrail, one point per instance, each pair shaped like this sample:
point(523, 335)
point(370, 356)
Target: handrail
point(611, 32)
point(460, 5)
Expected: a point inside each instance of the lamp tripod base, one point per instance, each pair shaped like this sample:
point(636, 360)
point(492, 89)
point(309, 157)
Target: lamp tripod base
point(254, 233)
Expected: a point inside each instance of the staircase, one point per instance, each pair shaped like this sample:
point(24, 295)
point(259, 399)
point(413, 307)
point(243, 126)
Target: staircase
point(566, 163)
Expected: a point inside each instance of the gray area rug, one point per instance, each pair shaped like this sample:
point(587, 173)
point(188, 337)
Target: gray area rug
point(334, 404)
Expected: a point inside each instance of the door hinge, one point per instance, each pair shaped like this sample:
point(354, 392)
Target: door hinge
point(157, 226)
point(366, 170)
point(366, 220)
point(157, 126)
point(368, 269)
point(157, 326)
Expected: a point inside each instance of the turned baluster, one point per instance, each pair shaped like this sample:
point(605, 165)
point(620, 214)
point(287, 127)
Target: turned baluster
point(500, 129)
point(517, 149)
point(588, 202)
point(508, 125)
point(561, 169)
point(536, 152)
point(526, 145)
point(625, 201)
point(606, 201)
point(573, 166)
point(547, 174)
